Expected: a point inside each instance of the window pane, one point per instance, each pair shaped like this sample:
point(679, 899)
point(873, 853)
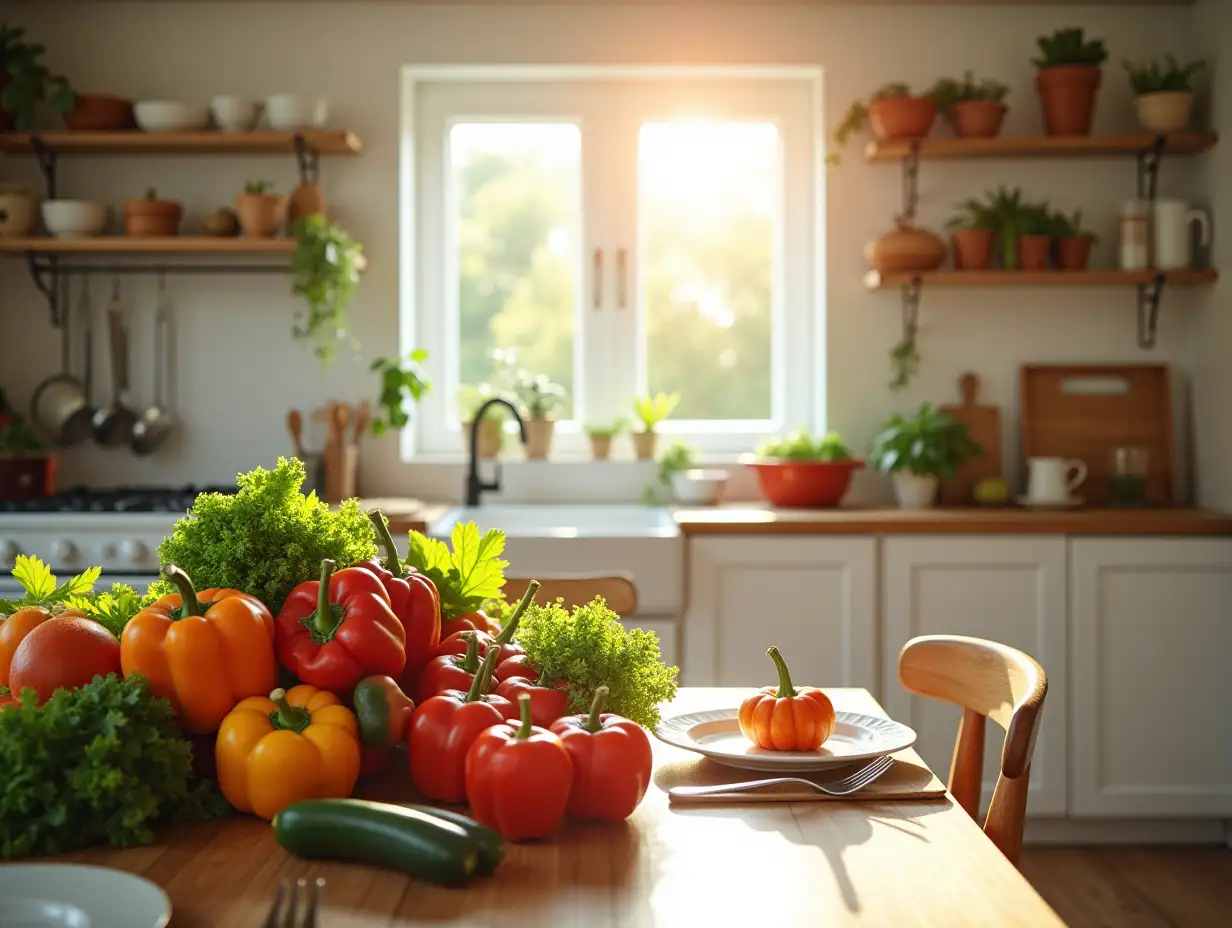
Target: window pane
point(517, 200)
point(709, 203)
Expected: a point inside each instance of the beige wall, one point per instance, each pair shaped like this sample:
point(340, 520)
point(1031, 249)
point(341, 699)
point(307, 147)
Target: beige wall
point(239, 371)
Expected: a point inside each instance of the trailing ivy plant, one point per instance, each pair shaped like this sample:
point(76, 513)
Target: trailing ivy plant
point(325, 272)
point(399, 382)
point(26, 82)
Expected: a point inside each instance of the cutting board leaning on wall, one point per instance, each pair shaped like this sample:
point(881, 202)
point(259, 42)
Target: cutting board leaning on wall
point(984, 428)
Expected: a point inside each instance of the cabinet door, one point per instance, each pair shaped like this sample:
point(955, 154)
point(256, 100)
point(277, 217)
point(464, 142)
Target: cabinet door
point(1007, 589)
point(810, 597)
point(1150, 639)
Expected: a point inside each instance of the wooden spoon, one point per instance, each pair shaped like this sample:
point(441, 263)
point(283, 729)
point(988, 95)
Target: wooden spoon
point(363, 419)
point(295, 425)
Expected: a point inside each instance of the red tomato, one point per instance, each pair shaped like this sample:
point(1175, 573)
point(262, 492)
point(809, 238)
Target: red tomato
point(63, 653)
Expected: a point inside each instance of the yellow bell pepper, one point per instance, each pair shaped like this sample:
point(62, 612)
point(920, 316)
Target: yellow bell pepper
point(293, 745)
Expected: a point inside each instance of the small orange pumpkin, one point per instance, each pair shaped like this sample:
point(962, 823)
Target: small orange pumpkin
point(789, 718)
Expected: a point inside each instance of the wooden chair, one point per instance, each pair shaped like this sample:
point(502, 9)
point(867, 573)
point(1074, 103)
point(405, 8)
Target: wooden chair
point(988, 680)
point(579, 589)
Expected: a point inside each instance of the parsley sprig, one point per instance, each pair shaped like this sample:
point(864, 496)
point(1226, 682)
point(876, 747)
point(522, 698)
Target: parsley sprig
point(466, 576)
point(43, 587)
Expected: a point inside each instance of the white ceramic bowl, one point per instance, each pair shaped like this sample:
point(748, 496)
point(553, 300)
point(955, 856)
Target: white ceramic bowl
point(170, 116)
point(74, 218)
point(287, 112)
point(233, 114)
point(698, 487)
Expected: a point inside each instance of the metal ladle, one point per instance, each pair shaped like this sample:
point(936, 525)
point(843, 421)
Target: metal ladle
point(113, 423)
point(157, 422)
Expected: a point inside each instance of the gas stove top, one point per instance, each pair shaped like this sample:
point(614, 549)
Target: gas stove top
point(119, 499)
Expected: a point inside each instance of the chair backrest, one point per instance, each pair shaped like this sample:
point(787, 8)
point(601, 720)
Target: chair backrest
point(988, 680)
point(579, 589)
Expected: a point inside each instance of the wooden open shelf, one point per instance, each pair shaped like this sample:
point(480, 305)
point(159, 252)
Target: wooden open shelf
point(173, 245)
point(1186, 277)
point(1066, 146)
point(135, 142)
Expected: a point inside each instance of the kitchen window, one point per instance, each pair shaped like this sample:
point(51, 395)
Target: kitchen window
point(623, 231)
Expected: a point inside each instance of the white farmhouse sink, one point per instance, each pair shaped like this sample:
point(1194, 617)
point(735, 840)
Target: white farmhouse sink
point(534, 520)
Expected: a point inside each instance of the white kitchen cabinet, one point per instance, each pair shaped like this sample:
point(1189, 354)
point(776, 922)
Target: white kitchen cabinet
point(811, 597)
point(1008, 589)
point(1150, 642)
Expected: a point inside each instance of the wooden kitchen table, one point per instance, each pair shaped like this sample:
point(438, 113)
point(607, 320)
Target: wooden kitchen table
point(921, 863)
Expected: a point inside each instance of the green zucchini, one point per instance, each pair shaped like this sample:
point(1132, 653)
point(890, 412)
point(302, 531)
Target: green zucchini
point(488, 841)
point(409, 840)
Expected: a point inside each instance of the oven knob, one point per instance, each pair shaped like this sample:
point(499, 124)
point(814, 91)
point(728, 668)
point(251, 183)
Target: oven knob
point(134, 551)
point(63, 551)
point(108, 551)
point(8, 553)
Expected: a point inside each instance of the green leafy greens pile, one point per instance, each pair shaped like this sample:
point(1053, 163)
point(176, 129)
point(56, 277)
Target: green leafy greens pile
point(465, 577)
point(114, 608)
point(96, 765)
point(590, 648)
point(267, 538)
point(799, 445)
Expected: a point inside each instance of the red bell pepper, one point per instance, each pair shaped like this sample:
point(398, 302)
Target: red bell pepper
point(334, 632)
point(442, 731)
point(456, 643)
point(517, 666)
point(415, 601)
point(518, 778)
point(549, 700)
point(383, 712)
point(450, 671)
point(611, 762)
point(477, 621)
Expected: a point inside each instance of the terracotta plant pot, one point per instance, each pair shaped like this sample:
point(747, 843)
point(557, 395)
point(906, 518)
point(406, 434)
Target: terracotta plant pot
point(488, 441)
point(1073, 252)
point(1067, 93)
point(100, 112)
point(19, 211)
point(977, 119)
point(1033, 252)
point(644, 445)
point(1167, 111)
point(901, 118)
point(600, 447)
point(221, 223)
point(151, 217)
point(906, 249)
point(539, 438)
point(261, 215)
point(972, 249)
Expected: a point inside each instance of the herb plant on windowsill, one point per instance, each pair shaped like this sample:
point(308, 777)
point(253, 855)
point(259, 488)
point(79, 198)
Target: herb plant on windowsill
point(650, 411)
point(601, 437)
point(540, 397)
point(920, 451)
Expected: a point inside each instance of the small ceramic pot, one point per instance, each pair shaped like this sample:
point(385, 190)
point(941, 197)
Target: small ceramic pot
point(221, 223)
point(100, 112)
point(1167, 111)
point(907, 248)
point(1067, 94)
point(901, 118)
point(306, 200)
point(150, 216)
point(261, 215)
point(1033, 252)
point(19, 211)
point(1073, 252)
point(27, 476)
point(600, 447)
point(972, 249)
point(539, 434)
point(914, 491)
point(644, 445)
point(977, 119)
point(488, 441)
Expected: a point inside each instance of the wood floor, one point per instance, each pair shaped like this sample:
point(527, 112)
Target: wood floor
point(1126, 887)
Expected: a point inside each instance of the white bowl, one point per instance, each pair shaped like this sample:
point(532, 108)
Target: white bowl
point(74, 218)
point(698, 487)
point(286, 112)
point(170, 116)
point(233, 114)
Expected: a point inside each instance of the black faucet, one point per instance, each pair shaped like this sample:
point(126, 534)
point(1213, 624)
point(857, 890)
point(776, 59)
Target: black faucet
point(475, 486)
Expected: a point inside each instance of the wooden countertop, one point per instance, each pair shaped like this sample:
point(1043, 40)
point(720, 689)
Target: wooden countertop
point(920, 863)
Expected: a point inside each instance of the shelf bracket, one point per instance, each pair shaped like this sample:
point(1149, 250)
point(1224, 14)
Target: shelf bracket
point(307, 160)
point(911, 177)
point(47, 276)
point(47, 163)
point(1148, 311)
point(1148, 169)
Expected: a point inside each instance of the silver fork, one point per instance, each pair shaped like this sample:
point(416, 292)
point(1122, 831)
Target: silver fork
point(844, 787)
point(300, 910)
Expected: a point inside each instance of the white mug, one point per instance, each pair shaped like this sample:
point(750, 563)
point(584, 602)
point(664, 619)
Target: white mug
point(1173, 219)
point(1049, 480)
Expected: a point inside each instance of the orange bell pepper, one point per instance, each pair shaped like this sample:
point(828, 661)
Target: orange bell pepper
point(789, 719)
point(203, 652)
point(292, 745)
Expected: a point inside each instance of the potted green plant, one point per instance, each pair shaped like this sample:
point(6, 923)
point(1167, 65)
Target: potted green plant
point(540, 397)
point(1163, 93)
point(650, 411)
point(402, 382)
point(1068, 80)
point(972, 230)
point(892, 112)
point(1007, 211)
point(601, 438)
point(27, 469)
point(921, 450)
point(25, 81)
point(491, 438)
point(1073, 241)
point(1035, 232)
point(325, 270)
point(260, 212)
point(802, 471)
point(973, 110)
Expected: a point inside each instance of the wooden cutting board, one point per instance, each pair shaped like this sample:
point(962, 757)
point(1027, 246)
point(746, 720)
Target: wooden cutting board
point(984, 428)
point(1087, 410)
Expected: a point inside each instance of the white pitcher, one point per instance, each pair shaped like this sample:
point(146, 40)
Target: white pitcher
point(1173, 219)
point(1052, 480)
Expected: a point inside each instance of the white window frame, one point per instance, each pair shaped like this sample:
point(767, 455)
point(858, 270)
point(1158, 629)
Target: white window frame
point(434, 437)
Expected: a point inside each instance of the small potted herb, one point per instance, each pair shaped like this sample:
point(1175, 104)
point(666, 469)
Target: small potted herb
point(260, 212)
point(540, 397)
point(25, 81)
point(972, 110)
point(920, 451)
point(1068, 80)
point(892, 112)
point(1035, 227)
point(973, 228)
point(491, 438)
point(27, 470)
point(802, 471)
point(601, 438)
point(1073, 241)
point(325, 270)
point(1163, 93)
point(651, 410)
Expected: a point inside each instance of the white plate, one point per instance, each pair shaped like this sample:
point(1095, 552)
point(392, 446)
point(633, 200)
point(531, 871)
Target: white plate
point(716, 734)
point(77, 896)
